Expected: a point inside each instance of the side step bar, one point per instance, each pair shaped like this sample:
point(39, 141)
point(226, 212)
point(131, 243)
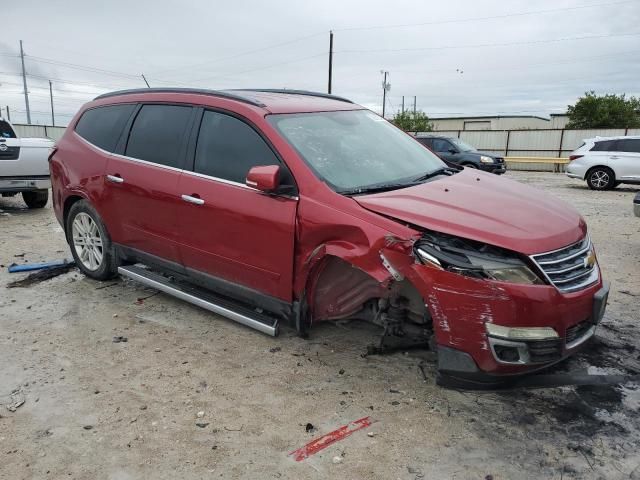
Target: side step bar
point(204, 299)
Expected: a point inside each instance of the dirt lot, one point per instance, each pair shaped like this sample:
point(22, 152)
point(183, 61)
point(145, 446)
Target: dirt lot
point(97, 409)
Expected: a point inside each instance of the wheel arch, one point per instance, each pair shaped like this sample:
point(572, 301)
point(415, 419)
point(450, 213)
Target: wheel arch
point(590, 169)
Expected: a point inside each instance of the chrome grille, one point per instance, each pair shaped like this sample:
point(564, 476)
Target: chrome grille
point(570, 268)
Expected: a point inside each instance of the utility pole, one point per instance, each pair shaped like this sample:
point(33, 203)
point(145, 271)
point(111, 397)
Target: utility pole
point(53, 117)
point(8, 114)
point(24, 82)
point(385, 87)
point(330, 59)
point(402, 103)
point(414, 106)
point(145, 80)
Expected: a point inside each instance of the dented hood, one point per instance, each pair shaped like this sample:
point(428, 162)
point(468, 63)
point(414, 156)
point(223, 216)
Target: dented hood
point(484, 207)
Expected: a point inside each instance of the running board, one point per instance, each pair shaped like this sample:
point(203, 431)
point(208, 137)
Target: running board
point(202, 298)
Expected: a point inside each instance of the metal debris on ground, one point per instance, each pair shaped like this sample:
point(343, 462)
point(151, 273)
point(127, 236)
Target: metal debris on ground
point(42, 275)
point(120, 339)
point(17, 399)
point(28, 267)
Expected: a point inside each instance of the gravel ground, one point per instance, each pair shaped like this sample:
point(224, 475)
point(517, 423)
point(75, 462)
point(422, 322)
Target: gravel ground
point(95, 409)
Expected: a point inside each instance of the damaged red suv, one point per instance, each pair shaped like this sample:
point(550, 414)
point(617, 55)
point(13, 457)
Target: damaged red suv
point(296, 207)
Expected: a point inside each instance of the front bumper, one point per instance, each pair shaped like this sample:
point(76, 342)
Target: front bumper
point(497, 168)
point(24, 184)
point(461, 306)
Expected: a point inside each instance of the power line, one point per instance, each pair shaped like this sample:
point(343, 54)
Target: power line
point(483, 45)
point(475, 19)
point(241, 54)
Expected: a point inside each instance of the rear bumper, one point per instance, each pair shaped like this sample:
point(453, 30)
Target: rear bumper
point(24, 184)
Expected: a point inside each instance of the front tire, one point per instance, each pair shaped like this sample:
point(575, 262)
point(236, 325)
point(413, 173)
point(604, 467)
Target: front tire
point(601, 178)
point(90, 243)
point(36, 199)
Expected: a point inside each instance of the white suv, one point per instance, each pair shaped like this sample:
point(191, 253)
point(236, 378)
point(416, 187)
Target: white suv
point(606, 162)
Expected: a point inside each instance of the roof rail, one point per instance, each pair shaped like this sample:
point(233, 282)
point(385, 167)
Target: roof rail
point(199, 91)
point(292, 92)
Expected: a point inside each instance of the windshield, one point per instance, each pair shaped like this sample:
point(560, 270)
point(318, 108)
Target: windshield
point(463, 147)
point(6, 131)
point(355, 149)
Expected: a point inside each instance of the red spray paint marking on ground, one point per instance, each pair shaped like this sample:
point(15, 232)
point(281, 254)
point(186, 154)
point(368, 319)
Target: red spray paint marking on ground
point(330, 438)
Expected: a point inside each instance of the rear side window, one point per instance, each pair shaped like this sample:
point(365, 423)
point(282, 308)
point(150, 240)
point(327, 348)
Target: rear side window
point(6, 131)
point(440, 145)
point(605, 146)
point(427, 142)
point(631, 145)
point(227, 148)
point(158, 134)
point(102, 126)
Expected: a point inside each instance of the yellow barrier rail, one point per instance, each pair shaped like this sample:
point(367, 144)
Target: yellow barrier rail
point(555, 161)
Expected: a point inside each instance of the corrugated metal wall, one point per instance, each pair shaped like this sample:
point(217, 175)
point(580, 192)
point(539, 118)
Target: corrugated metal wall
point(532, 143)
point(39, 131)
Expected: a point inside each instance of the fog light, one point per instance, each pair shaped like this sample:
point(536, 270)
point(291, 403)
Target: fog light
point(507, 354)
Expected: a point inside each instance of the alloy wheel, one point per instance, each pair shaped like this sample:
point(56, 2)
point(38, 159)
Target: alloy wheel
point(87, 241)
point(599, 179)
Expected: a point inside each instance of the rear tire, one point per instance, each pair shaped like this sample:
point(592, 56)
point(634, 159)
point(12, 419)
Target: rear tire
point(90, 243)
point(601, 178)
point(36, 199)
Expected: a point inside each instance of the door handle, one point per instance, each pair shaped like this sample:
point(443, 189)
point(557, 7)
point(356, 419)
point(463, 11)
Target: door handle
point(115, 178)
point(192, 199)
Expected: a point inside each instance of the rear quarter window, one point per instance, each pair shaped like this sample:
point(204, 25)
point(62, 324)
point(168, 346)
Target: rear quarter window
point(6, 131)
point(604, 146)
point(102, 126)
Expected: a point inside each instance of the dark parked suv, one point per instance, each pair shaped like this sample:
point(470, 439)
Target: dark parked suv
point(454, 150)
point(272, 207)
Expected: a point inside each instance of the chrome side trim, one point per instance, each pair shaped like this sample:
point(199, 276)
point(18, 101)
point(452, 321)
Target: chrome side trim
point(579, 341)
point(200, 302)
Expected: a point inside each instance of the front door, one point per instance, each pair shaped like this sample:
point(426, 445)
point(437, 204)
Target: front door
point(231, 232)
point(445, 150)
point(625, 161)
point(142, 184)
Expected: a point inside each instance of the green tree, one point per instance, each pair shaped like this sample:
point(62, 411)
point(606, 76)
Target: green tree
point(410, 122)
point(606, 111)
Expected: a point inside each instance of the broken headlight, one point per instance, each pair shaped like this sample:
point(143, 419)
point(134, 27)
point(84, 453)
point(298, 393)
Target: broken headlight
point(474, 259)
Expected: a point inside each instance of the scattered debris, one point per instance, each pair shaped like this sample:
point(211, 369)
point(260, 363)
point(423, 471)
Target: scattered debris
point(309, 428)
point(106, 286)
point(200, 414)
point(337, 459)
point(202, 424)
point(17, 400)
point(371, 434)
point(140, 300)
point(275, 349)
point(88, 427)
point(341, 372)
point(41, 276)
point(120, 338)
point(143, 407)
point(627, 292)
point(330, 438)
point(13, 268)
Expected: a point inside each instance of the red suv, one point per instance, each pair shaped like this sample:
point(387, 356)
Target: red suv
point(271, 206)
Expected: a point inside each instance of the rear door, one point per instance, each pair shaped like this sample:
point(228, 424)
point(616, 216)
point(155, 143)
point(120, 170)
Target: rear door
point(234, 235)
point(142, 182)
point(625, 161)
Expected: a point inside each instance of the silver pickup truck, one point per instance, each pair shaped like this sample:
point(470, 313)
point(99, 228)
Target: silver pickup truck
point(24, 166)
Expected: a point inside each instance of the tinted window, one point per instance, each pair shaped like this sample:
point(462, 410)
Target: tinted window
point(425, 141)
point(102, 126)
point(440, 145)
point(604, 146)
point(6, 131)
point(631, 145)
point(227, 148)
point(158, 133)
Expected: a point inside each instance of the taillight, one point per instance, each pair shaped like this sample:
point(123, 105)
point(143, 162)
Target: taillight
point(575, 157)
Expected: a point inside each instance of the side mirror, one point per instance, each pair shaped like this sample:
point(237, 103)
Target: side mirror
point(264, 178)
point(453, 150)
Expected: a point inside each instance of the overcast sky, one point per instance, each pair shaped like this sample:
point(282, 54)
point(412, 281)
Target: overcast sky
point(459, 57)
